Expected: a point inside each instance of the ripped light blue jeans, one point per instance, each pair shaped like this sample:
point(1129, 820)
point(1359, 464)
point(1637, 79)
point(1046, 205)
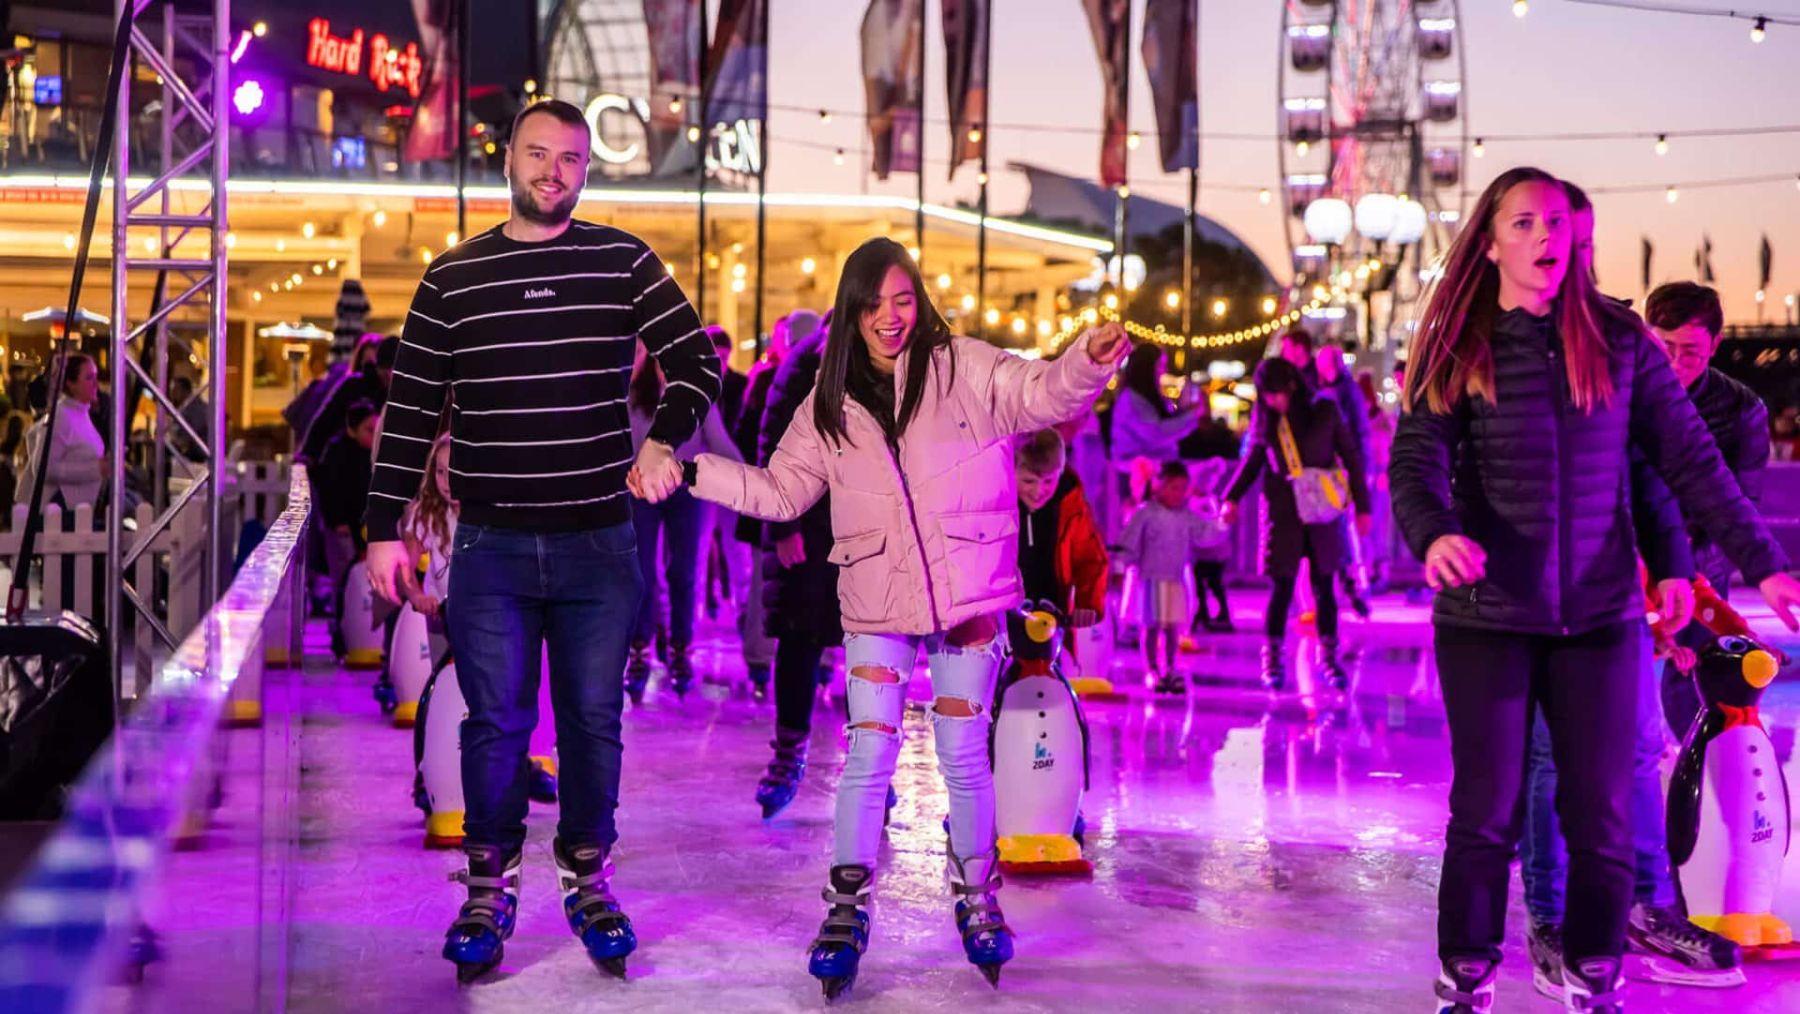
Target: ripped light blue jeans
point(957, 674)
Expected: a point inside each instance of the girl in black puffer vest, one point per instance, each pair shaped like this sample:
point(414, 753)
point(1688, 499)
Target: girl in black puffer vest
point(1525, 390)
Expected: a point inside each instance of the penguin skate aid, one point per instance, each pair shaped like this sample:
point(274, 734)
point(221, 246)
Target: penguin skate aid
point(1729, 808)
point(1039, 748)
point(924, 512)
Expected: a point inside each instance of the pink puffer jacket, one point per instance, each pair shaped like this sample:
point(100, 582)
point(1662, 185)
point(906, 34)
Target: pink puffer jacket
point(930, 540)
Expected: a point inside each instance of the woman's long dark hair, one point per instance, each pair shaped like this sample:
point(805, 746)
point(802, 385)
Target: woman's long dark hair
point(846, 367)
point(1142, 374)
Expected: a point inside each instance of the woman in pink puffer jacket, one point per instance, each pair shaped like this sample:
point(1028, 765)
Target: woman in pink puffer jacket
point(910, 430)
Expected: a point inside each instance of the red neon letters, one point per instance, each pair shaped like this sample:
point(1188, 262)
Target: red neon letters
point(390, 66)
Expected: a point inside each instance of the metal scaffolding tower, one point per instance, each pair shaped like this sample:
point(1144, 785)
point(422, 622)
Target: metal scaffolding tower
point(178, 230)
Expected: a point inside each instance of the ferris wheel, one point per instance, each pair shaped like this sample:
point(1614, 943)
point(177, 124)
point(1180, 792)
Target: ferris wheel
point(1374, 129)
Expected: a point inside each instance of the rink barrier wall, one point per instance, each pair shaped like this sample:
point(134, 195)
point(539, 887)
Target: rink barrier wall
point(66, 925)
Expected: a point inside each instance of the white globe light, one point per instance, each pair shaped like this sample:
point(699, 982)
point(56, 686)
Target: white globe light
point(1375, 214)
point(1328, 220)
point(1409, 223)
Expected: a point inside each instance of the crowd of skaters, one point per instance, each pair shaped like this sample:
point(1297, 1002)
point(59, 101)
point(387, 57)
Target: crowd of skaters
point(795, 493)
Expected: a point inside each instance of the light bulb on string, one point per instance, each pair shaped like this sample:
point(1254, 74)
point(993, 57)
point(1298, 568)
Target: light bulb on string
point(837, 157)
point(1263, 196)
point(1662, 144)
point(1673, 195)
point(1521, 8)
point(1133, 139)
point(1759, 30)
point(1480, 148)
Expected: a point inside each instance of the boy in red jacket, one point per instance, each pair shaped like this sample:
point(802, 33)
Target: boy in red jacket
point(1062, 558)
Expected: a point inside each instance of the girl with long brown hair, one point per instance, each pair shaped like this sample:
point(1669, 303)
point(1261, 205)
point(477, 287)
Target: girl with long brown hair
point(1525, 389)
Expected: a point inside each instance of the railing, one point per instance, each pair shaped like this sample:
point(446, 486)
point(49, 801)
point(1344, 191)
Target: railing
point(72, 916)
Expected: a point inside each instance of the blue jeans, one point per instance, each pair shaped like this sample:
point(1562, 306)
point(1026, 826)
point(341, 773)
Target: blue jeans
point(1543, 855)
point(966, 674)
point(682, 522)
point(512, 594)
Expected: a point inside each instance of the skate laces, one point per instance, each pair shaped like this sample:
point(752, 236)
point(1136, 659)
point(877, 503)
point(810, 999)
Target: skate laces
point(1680, 931)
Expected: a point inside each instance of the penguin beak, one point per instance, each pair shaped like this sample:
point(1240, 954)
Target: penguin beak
point(1760, 668)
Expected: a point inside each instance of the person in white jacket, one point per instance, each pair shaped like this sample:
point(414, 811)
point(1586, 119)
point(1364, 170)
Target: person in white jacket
point(75, 467)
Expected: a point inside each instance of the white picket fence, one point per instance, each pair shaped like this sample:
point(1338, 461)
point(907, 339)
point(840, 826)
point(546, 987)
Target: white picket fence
point(254, 490)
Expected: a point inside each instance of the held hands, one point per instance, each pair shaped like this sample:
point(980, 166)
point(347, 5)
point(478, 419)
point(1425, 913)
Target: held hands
point(1454, 561)
point(1675, 602)
point(790, 551)
point(391, 569)
point(427, 606)
point(1782, 593)
point(656, 475)
point(1108, 343)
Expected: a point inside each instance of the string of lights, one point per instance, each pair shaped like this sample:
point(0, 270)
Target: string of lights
point(1759, 20)
point(1074, 324)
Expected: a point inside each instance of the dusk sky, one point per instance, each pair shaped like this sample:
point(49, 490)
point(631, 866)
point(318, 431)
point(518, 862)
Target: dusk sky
point(1565, 67)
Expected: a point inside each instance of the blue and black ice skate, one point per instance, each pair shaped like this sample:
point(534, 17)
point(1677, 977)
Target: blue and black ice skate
point(781, 782)
point(838, 949)
point(477, 939)
point(584, 872)
point(987, 939)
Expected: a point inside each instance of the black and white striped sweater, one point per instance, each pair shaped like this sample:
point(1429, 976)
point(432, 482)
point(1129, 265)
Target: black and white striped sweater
point(532, 344)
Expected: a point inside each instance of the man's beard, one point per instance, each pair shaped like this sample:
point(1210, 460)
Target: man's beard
point(524, 202)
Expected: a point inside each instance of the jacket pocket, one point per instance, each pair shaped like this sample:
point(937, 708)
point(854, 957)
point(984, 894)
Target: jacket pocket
point(981, 554)
point(862, 585)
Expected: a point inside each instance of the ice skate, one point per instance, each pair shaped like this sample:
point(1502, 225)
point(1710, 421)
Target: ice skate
point(987, 939)
point(542, 785)
point(1594, 986)
point(637, 671)
point(1466, 986)
point(781, 782)
point(844, 935)
point(1681, 953)
point(1274, 669)
point(1331, 666)
point(584, 873)
point(681, 670)
point(1544, 941)
point(476, 941)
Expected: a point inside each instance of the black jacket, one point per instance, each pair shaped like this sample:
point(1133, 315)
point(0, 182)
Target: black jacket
point(1739, 424)
point(748, 432)
point(330, 422)
point(1544, 487)
point(800, 601)
point(1324, 440)
point(341, 482)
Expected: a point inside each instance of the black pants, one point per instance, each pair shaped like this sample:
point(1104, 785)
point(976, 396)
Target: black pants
point(796, 682)
point(1588, 687)
point(1209, 576)
point(1326, 609)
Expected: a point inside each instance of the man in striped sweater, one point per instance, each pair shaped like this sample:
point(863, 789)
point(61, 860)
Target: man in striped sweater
point(527, 331)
